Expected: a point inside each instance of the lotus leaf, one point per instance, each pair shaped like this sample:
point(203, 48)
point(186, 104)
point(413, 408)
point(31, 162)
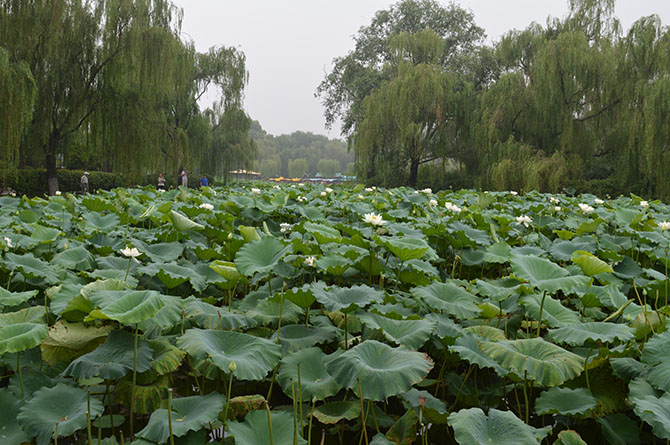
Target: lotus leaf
point(404, 430)
point(21, 336)
point(332, 412)
point(473, 427)
point(449, 297)
point(619, 429)
point(260, 256)
point(406, 248)
point(565, 401)
point(10, 430)
point(294, 337)
point(545, 275)
point(656, 353)
point(346, 299)
point(31, 267)
point(255, 430)
point(315, 382)
point(76, 258)
point(412, 334)
point(579, 333)
point(553, 311)
point(9, 299)
point(569, 437)
point(127, 307)
point(65, 340)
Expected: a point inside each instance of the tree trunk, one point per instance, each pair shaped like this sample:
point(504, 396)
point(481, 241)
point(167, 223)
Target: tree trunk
point(413, 172)
point(52, 177)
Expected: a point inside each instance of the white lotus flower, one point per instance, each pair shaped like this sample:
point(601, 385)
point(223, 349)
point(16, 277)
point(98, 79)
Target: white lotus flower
point(664, 225)
point(284, 227)
point(433, 202)
point(276, 187)
point(329, 190)
point(8, 242)
point(375, 220)
point(361, 197)
point(206, 206)
point(161, 191)
point(452, 207)
point(324, 194)
point(513, 193)
point(524, 219)
point(58, 193)
point(256, 191)
point(310, 260)
point(302, 199)
point(599, 201)
point(644, 204)
point(13, 194)
point(130, 252)
point(554, 200)
point(585, 208)
point(557, 209)
point(427, 190)
point(369, 189)
point(301, 184)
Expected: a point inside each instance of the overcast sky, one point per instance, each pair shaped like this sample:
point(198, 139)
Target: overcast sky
point(290, 44)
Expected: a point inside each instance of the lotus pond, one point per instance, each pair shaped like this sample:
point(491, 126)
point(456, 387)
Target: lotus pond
point(300, 314)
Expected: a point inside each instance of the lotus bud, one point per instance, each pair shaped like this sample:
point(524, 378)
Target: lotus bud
point(232, 366)
point(230, 235)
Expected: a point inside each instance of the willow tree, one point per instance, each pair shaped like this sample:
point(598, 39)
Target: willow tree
point(17, 95)
point(406, 118)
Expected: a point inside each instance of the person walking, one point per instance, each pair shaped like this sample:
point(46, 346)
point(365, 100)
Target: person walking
point(83, 182)
point(204, 182)
point(161, 182)
point(184, 178)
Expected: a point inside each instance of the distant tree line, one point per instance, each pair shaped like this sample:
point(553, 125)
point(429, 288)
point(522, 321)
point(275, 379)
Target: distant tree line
point(572, 103)
point(300, 154)
point(110, 85)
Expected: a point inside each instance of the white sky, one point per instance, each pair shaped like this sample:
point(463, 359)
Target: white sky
point(290, 44)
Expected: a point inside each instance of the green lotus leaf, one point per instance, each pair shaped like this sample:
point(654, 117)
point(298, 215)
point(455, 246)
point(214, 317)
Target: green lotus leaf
point(498, 253)
point(76, 258)
point(255, 429)
point(449, 297)
point(473, 427)
point(553, 312)
point(209, 316)
point(565, 401)
point(127, 307)
point(241, 405)
point(383, 371)
point(579, 333)
point(468, 348)
point(254, 356)
point(260, 255)
point(656, 353)
point(10, 299)
point(332, 412)
point(300, 296)
point(269, 312)
point(66, 340)
point(113, 359)
point(335, 265)
point(590, 264)
point(161, 252)
point(412, 334)
point(166, 357)
point(496, 291)
point(406, 248)
point(32, 314)
point(249, 233)
point(31, 267)
point(569, 437)
point(346, 299)
point(434, 409)
point(536, 359)
point(619, 429)
point(148, 395)
point(181, 223)
point(323, 233)
point(545, 275)
point(10, 430)
point(97, 204)
point(404, 430)
point(227, 270)
point(188, 414)
point(297, 336)
point(61, 405)
point(485, 332)
point(655, 411)
point(21, 336)
point(315, 382)
point(45, 235)
point(628, 368)
point(172, 275)
point(99, 222)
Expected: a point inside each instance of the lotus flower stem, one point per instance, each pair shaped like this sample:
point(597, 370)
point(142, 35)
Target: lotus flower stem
point(18, 370)
point(88, 427)
point(132, 394)
point(644, 309)
point(346, 340)
point(108, 395)
point(371, 408)
point(539, 322)
point(586, 369)
point(56, 435)
point(365, 430)
point(295, 415)
point(281, 312)
point(458, 394)
point(525, 395)
point(122, 440)
point(267, 408)
point(309, 428)
point(128, 268)
point(169, 410)
point(232, 369)
point(302, 427)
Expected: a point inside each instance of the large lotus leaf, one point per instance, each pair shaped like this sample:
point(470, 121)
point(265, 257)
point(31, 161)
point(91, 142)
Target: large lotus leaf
point(161, 252)
point(449, 297)
point(579, 333)
point(406, 248)
point(467, 347)
point(298, 336)
point(113, 359)
point(97, 204)
point(188, 414)
point(383, 371)
point(655, 411)
point(99, 222)
point(182, 223)
point(335, 265)
point(535, 358)
point(332, 412)
point(546, 275)
point(569, 437)
point(553, 312)
point(255, 430)
point(565, 401)
point(172, 275)
point(628, 368)
point(21, 336)
point(127, 307)
point(656, 354)
point(76, 258)
point(31, 267)
point(563, 250)
point(227, 270)
point(404, 430)
point(619, 429)
point(590, 264)
point(497, 253)
point(260, 255)
point(412, 334)
point(473, 427)
point(254, 356)
point(346, 299)
point(323, 233)
point(301, 296)
point(66, 339)
point(496, 290)
point(32, 314)
point(166, 357)
point(10, 431)
point(209, 316)
point(45, 235)
point(315, 382)
point(268, 311)
point(434, 409)
point(9, 299)
point(61, 405)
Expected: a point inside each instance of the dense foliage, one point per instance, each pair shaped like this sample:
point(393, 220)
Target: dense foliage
point(110, 85)
point(300, 314)
point(572, 103)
